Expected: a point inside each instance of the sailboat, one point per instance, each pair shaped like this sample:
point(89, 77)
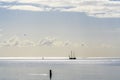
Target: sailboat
point(72, 56)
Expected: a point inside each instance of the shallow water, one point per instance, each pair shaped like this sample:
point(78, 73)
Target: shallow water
point(61, 69)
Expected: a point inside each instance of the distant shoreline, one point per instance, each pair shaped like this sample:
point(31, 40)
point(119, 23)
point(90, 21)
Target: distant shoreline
point(56, 58)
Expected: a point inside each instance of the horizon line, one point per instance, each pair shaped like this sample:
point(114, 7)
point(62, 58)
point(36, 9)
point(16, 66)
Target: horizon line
point(53, 58)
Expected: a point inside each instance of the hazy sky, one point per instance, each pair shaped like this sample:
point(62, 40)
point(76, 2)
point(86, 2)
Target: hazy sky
point(91, 28)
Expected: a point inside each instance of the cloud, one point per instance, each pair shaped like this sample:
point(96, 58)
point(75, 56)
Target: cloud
point(47, 41)
point(25, 7)
point(50, 41)
point(16, 41)
point(28, 43)
point(95, 8)
point(13, 41)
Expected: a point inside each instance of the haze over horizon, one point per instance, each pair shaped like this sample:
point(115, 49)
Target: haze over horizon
point(52, 28)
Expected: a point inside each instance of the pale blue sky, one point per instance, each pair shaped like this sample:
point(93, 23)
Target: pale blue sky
point(36, 28)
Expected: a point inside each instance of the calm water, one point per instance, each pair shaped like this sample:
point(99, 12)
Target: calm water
point(62, 69)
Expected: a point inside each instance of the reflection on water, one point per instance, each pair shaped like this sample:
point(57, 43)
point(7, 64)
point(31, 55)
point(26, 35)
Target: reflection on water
point(62, 70)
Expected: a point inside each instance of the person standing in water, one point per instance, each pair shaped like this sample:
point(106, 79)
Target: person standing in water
point(50, 74)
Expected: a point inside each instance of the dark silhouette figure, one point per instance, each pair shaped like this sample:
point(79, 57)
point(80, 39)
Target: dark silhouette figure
point(50, 74)
point(72, 56)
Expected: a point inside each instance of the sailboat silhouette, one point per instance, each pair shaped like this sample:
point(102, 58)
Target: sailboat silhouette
point(72, 56)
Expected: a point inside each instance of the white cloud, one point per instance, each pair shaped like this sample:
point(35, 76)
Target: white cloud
point(13, 41)
point(28, 43)
point(16, 41)
point(95, 8)
point(47, 41)
point(50, 41)
point(25, 7)
point(8, 0)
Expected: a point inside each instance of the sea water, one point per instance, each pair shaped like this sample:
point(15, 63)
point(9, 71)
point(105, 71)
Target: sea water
point(61, 69)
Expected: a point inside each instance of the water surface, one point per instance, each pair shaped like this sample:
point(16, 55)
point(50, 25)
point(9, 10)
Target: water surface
point(61, 69)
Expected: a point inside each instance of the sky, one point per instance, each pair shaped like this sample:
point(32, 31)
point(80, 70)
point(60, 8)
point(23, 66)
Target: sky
point(52, 28)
